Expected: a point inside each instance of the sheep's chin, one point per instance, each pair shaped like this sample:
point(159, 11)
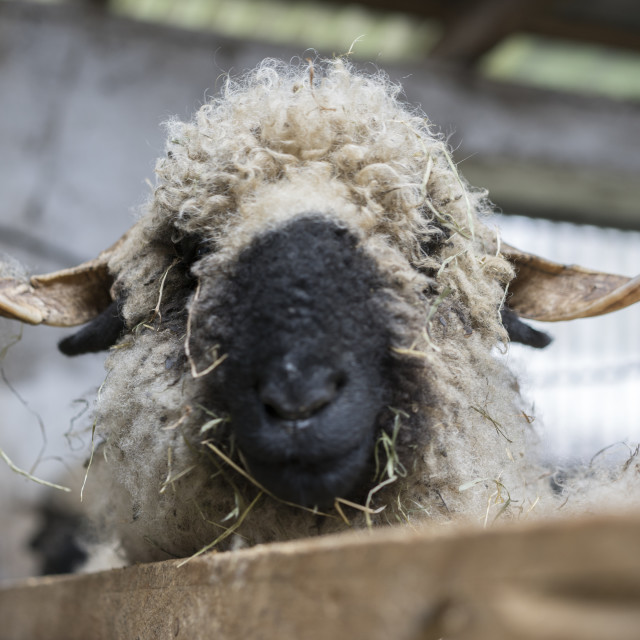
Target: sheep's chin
point(315, 484)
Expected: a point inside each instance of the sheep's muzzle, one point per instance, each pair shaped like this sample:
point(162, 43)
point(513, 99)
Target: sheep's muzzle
point(306, 333)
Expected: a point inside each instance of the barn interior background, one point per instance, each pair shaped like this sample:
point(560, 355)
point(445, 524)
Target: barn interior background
point(540, 101)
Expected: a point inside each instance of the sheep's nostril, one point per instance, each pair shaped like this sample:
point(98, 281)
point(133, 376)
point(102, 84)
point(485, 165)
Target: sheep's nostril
point(284, 412)
point(298, 399)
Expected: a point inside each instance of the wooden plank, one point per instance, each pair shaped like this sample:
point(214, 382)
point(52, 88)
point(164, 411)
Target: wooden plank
point(610, 35)
point(540, 153)
point(559, 579)
point(479, 27)
point(581, 27)
point(584, 195)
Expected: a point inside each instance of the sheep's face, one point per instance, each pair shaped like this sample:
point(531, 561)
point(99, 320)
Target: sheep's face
point(301, 319)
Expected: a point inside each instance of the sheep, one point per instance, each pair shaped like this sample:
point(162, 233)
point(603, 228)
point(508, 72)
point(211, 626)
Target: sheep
point(302, 327)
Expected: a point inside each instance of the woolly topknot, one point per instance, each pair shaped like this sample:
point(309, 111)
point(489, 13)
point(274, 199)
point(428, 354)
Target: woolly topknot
point(315, 124)
point(341, 142)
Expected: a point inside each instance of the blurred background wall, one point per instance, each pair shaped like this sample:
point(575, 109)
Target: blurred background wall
point(540, 101)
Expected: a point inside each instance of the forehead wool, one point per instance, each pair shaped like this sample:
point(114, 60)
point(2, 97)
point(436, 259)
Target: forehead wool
point(284, 140)
point(330, 133)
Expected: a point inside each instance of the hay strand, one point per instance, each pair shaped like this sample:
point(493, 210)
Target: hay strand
point(253, 481)
point(30, 476)
point(224, 535)
point(93, 448)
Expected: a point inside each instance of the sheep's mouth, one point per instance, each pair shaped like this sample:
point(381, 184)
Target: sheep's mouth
point(312, 483)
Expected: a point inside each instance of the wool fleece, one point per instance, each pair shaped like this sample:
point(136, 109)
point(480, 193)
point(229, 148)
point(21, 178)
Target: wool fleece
point(311, 302)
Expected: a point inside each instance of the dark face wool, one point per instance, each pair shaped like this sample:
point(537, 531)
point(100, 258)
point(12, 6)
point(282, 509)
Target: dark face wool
point(307, 373)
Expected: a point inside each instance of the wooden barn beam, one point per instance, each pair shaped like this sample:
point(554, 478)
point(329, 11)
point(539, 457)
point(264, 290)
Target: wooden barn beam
point(538, 152)
point(586, 195)
point(478, 28)
point(530, 581)
point(616, 37)
point(438, 9)
point(472, 27)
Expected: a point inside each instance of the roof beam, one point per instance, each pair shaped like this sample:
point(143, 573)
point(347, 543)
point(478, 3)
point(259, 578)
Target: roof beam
point(478, 29)
point(582, 31)
point(472, 28)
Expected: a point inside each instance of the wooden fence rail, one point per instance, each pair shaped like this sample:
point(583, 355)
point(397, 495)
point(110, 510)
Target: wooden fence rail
point(553, 580)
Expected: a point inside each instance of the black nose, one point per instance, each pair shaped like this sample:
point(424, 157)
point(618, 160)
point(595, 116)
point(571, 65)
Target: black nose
point(289, 391)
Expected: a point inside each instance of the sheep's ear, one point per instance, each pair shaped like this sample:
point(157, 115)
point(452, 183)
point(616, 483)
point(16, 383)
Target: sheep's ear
point(551, 292)
point(98, 335)
point(61, 299)
point(521, 332)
